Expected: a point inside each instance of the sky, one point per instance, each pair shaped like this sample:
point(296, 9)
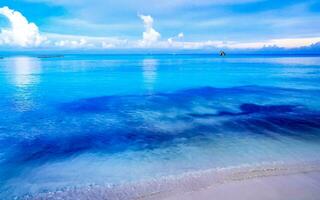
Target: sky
point(155, 24)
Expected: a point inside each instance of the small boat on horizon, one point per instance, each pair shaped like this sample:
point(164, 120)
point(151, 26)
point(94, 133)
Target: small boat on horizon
point(222, 53)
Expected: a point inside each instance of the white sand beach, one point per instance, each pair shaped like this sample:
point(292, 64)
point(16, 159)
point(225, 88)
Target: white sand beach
point(265, 182)
point(302, 186)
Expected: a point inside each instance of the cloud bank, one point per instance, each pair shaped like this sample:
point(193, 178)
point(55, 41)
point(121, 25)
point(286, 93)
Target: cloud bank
point(25, 34)
point(150, 35)
point(63, 41)
point(171, 40)
point(21, 33)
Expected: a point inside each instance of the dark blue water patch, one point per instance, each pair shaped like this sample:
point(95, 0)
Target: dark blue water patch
point(99, 104)
point(82, 125)
point(301, 125)
point(204, 115)
point(289, 120)
point(44, 147)
point(249, 108)
point(254, 108)
point(305, 127)
point(160, 101)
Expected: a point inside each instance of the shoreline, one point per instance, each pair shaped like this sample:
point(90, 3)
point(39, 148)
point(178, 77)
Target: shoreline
point(200, 184)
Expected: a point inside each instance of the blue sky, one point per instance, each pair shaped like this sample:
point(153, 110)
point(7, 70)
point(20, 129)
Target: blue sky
point(94, 24)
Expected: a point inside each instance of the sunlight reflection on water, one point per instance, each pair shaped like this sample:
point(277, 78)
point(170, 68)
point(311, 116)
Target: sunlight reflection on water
point(149, 73)
point(24, 73)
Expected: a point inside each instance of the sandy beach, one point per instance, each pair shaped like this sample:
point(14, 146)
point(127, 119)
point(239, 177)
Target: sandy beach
point(266, 182)
point(304, 186)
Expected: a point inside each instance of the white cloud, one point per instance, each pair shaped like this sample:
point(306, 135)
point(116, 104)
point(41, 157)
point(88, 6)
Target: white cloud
point(171, 40)
point(281, 42)
point(176, 42)
point(21, 33)
point(150, 35)
point(72, 43)
point(26, 34)
point(198, 45)
point(107, 45)
point(62, 41)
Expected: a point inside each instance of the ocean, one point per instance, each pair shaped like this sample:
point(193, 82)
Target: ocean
point(81, 120)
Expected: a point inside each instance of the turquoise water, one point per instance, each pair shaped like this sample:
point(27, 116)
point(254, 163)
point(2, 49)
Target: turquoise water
point(111, 119)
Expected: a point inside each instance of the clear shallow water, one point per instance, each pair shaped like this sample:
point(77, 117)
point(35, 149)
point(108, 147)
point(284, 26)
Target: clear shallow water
point(80, 119)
